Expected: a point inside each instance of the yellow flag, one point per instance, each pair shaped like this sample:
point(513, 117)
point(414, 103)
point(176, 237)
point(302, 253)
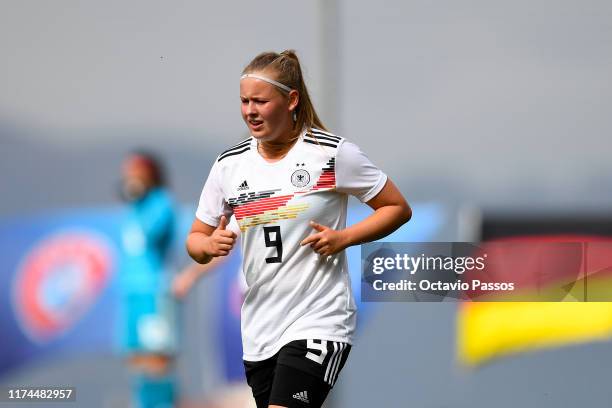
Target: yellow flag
point(490, 330)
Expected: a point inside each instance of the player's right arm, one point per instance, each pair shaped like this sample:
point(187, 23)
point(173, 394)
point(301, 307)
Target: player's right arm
point(205, 242)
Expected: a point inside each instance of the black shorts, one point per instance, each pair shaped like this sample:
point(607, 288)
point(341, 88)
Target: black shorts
point(300, 375)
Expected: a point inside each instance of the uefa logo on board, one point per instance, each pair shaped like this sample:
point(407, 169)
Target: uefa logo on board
point(58, 281)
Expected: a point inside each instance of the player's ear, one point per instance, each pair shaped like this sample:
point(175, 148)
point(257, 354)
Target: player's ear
point(294, 99)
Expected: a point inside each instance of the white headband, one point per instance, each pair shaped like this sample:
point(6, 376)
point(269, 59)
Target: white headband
point(268, 80)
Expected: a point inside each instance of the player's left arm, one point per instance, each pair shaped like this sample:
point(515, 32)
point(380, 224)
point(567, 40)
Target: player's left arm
point(391, 210)
point(184, 281)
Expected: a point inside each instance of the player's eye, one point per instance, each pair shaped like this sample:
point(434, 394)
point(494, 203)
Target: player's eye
point(244, 100)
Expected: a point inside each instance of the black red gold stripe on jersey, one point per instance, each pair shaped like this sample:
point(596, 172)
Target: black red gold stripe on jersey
point(265, 207)
point(246, 198)
point(327, 179)
point(260, 206)
point(286, 212)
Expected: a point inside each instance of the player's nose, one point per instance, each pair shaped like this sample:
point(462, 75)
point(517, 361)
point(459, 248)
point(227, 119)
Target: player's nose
point(251, 109)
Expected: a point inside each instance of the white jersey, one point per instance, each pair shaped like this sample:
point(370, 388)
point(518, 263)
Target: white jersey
point(293, 293)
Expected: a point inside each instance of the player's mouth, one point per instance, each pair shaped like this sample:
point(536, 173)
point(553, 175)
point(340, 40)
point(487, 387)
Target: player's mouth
point(256, 124)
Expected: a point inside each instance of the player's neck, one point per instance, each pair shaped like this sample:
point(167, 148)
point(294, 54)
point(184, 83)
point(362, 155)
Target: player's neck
point(274, 150)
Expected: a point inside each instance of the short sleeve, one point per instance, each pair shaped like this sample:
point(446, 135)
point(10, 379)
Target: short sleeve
point(356, 174)
point(212, 203)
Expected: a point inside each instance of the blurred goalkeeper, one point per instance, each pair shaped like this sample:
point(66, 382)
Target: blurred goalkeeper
point(147, 314)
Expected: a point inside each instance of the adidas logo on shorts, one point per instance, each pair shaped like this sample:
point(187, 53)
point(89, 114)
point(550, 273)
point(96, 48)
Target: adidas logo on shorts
point(302, 396)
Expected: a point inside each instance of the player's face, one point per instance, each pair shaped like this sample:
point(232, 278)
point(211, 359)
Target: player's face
point(136, 179)
point(265, 109)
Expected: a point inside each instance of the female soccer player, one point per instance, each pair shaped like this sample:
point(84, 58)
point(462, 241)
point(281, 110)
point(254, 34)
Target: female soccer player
point(288, 185)
point(147, 333)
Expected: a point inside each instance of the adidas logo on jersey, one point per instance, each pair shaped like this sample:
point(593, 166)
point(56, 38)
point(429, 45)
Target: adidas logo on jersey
point(302, 396)
point(243, 186)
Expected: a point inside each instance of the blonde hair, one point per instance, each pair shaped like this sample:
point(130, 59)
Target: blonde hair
point(285, 68)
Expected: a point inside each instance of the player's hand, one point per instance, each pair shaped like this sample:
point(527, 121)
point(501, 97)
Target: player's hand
point(221, 241)
point(182, 283)
point(325, 241)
